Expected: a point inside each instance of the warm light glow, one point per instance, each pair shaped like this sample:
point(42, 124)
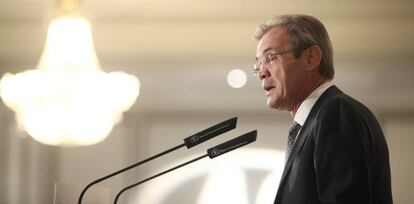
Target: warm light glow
point(69, 46)
point(68, 100)
point(226, 179)
point(224, 185)
point(267, 191)
point(236, 78)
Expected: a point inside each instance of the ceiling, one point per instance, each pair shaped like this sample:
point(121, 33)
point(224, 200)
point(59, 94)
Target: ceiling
point(182, 49)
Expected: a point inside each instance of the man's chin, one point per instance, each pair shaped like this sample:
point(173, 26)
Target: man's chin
point(277, 106)
point(273, 105)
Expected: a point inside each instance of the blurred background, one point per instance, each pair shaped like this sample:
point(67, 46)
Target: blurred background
point(182, 52)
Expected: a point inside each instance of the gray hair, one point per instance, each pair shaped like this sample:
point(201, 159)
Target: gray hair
point(305, 31)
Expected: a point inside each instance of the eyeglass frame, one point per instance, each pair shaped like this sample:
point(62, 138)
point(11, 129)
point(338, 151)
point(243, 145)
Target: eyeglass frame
point(269, 59)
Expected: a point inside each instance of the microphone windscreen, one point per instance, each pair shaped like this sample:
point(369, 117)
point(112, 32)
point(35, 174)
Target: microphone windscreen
point(210, 132)
point(232, 144)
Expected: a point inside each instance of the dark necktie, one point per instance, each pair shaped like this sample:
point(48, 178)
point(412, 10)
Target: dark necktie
point(293, 132)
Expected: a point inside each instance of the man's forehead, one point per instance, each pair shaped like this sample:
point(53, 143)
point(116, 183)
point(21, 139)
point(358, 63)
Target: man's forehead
point(274, 39)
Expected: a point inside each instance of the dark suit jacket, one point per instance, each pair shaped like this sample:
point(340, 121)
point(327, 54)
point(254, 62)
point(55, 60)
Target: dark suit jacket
point(340, 156)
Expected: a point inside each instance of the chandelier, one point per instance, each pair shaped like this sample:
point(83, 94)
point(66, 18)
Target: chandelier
point(68, 100)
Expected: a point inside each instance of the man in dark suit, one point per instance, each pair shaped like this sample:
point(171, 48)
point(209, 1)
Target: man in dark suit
point(336, 150)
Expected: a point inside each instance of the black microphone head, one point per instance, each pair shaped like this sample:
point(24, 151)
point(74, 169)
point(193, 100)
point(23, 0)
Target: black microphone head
point(210, 132)
point(232, 144)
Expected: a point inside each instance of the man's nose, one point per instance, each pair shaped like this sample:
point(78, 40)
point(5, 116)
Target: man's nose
point(263, 72)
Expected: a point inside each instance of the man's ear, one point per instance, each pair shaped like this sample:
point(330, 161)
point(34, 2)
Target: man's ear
point(313, 57)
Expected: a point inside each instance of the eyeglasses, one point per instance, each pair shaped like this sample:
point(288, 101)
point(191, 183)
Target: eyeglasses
point(267, 60)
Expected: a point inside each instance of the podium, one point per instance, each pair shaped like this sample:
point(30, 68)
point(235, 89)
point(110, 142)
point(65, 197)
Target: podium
point(66, 193)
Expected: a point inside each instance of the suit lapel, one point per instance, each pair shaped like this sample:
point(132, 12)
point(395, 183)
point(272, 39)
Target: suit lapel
point(304, 132)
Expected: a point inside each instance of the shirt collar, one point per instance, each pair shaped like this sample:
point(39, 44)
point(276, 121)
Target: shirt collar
point(306, 106)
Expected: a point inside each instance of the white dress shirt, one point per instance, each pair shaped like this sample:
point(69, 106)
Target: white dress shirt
point(306, 106)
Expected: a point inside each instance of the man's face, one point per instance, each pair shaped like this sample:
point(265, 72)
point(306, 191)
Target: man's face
point(283, 77)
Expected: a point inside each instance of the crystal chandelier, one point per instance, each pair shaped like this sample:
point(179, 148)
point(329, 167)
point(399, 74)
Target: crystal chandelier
point(68, 100)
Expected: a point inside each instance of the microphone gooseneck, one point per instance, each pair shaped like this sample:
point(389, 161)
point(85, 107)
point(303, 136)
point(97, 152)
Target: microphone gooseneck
point(126, 169)
point(157, 175)
point(212, 153)
point(189, 142)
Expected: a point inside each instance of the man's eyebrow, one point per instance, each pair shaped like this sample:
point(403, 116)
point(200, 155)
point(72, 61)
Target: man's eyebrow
point(267, 50)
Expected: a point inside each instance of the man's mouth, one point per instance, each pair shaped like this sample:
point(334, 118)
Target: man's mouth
point(268, 86)
point(268, 89)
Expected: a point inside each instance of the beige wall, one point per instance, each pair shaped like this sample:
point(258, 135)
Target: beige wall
point(400, 136)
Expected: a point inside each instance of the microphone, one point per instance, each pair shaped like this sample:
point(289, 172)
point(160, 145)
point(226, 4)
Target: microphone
point(210, 132)
point(211, 153)
point(189, 142)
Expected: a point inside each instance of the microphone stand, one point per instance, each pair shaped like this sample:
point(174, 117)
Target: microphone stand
point(157, 175)
point(127, 168)
point(189, 142)
point(212, 153)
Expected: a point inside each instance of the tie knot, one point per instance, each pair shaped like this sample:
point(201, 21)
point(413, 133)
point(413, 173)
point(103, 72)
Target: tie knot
point(294, 129)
